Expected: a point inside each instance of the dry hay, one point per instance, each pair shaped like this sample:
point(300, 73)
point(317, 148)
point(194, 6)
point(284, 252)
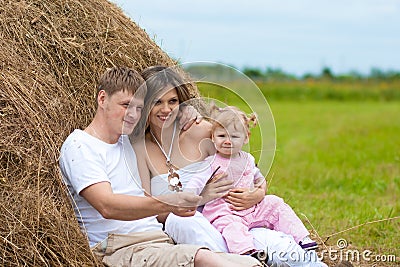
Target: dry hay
point(52, 52)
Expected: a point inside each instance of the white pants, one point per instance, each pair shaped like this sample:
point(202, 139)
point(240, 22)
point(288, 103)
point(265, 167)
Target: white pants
point(282, 249)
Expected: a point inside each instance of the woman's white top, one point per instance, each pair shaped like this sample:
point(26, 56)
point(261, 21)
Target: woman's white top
point(159, 183)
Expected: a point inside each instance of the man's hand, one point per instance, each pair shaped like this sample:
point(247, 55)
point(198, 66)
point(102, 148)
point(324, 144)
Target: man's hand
point(183, 204)
point(187, 116)
point(244, 198)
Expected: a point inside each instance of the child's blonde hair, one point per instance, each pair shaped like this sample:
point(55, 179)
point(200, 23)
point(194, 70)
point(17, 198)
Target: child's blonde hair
point(231, 115)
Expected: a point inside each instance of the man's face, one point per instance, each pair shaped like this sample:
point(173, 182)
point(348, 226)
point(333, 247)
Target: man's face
point(122, 112)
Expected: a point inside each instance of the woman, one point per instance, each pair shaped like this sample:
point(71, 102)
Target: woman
point(170, 159)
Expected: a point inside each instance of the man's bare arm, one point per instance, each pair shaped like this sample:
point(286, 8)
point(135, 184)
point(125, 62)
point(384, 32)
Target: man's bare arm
point(126, 207)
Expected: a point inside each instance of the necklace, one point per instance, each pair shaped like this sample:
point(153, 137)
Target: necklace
point(174, 184)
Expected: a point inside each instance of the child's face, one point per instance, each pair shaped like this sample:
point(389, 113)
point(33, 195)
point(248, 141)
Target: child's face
point(229, 141)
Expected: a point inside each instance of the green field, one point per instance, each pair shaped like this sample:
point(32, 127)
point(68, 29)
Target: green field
point(338, 163)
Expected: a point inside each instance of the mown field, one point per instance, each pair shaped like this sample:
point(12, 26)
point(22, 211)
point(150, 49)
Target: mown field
point(337, 159)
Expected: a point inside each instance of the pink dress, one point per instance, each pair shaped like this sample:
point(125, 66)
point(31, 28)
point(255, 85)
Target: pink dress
point(272, 212)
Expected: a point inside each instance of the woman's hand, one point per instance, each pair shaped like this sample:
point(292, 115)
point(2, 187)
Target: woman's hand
point(244, 198)
point(187, 116)
point(215, 188)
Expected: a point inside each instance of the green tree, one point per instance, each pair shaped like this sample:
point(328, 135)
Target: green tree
point(327, 73)
point(253, 73)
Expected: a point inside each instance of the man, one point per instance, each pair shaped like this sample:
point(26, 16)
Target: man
point(99, 167)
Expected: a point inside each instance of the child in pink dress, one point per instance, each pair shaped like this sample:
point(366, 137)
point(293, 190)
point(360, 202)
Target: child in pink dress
point(230, 131)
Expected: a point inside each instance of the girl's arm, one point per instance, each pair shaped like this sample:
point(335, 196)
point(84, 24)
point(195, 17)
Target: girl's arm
point(244, 198)
point(260, 182)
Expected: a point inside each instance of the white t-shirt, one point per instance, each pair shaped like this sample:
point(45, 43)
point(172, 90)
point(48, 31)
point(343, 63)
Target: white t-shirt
point(86, 160)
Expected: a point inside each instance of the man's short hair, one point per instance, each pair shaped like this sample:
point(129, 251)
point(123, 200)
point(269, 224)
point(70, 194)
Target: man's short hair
point(122, 79)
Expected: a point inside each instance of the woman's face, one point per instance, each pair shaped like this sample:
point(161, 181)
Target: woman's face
point(165, 109)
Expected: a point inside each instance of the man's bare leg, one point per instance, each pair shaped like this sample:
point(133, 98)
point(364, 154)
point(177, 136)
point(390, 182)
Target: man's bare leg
point(207, 258)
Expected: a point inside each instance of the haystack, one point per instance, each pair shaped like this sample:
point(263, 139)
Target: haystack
point(52, 53)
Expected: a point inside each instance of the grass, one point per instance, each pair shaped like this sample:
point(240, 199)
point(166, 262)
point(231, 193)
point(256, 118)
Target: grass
point(361, 90)
point(338, 163)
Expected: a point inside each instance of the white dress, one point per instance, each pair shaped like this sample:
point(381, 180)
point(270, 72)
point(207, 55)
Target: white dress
point(281, 248)
point(188, 230)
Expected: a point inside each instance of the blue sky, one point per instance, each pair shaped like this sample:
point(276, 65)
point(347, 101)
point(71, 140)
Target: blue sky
point(298, 36)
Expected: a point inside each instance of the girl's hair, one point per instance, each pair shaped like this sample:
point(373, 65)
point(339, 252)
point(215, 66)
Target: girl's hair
point(122, 79)
point(230, 115)
point(158, 80)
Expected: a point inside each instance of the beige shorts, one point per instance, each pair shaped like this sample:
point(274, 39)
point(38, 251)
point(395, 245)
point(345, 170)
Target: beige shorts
point(153, 248)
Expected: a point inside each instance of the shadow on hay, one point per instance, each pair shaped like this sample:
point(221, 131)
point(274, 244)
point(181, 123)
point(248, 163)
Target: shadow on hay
point(52, 54)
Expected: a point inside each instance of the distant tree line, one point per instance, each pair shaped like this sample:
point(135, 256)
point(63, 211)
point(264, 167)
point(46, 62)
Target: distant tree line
point(277, 74)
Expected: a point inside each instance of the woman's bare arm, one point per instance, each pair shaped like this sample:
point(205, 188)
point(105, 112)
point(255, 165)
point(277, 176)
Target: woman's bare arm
point(144, 172)
point(199, 136)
